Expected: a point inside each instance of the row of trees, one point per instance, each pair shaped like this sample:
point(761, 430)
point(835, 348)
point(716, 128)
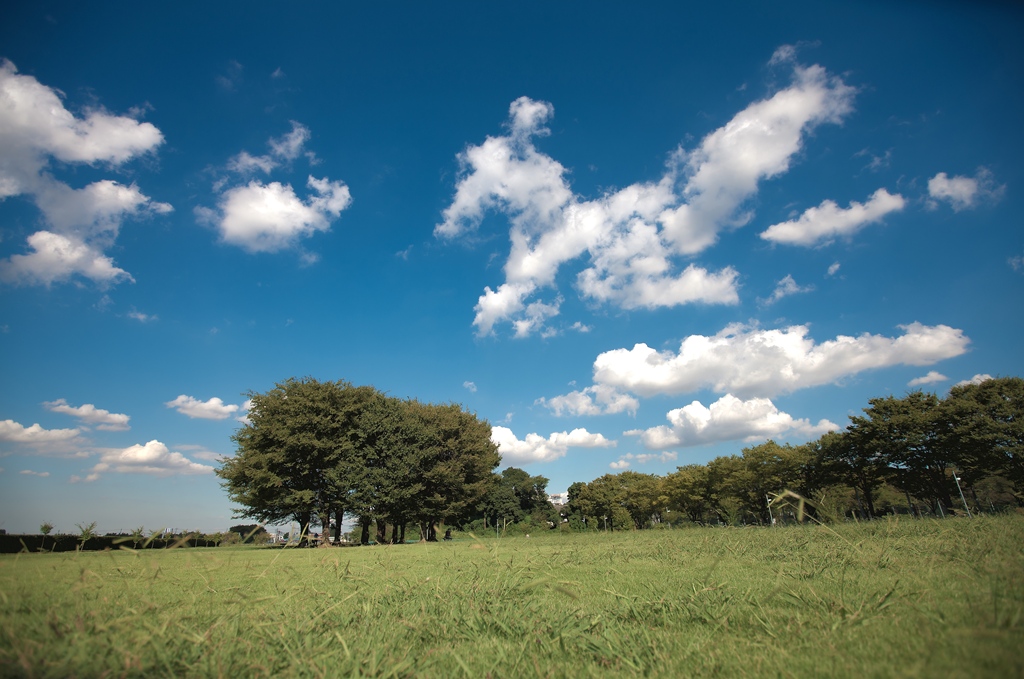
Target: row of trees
point(917, 452)
point(314, 452)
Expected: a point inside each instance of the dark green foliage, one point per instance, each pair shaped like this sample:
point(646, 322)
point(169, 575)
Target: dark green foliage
point(514, 496)
point(902, 455)
point(250, 533)
point(316, 451)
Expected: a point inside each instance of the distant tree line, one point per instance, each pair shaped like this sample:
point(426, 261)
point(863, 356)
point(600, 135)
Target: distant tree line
point(315, 452)
point(917, 454)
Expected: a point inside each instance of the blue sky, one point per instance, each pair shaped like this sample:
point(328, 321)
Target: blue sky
point(627, 236)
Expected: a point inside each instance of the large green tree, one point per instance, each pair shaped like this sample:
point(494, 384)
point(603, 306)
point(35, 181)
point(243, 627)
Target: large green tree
point(984, 424)
point(452, 462)
point(686, 490)
point(851, 458)
point(905, 433)
point(299, 455)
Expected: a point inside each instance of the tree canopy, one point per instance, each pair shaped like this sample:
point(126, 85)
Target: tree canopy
point(316, 451)
point(906, 452)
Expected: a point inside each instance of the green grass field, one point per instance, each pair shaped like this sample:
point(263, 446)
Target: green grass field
point(884, 599)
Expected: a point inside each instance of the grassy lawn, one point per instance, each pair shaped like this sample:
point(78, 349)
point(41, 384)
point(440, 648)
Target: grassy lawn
point(886, 599)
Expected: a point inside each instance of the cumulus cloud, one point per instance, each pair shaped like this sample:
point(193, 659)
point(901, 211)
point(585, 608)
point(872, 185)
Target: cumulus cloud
point(833, 269)
point(964, 192)
point(213, 409)
point(535, 448)
point(141, 317)
point(632, 238)
point(977, 379)
point(244, 417)
point(596, 400)
point(34, 434)
point(35, 129)
point(152, 458)
point(643, 458)
point(727, 419)
point(932, 377)
point(90, 414)
point(1016, 263)
point(199, 453)
point(749, 361)
point(471, 386)
point(35, 440)
point(822, 224)
point(270, 217)
point(786, 287)
point(55, 258)
point(29, 472)
point(282, 150)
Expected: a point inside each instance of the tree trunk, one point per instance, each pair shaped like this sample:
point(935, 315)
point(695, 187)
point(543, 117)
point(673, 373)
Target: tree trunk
point(382, 532)
point(364, 535)
point(338, 516)
point(325, 527)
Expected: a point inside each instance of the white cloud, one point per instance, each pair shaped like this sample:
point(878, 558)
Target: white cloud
point(535, 448)
point(141, 317)
point(632, 238)
point(246, 163)
point(199, 453)
point(289, 147)
point(151, 458)
point(282, 150)
point(786, 287)
point(29, 472)
point(833, 268)
point(783, 54)
point(214, 409)
point(820, 225)
point(727, 419)
point(56, 258)
point(86, 479)
point(35, 434)
point(94, 212)
point(270, 217)
point(244, 417)
point(1016, 263)
point(35, 440)
point(977, 379)
point(90, 414)
point(932, 377)
point(596, 400)
point(748, 361)
point(471, 386)
point(964, 192)
point(36, 128)
point(758, 143)
point(643, 458)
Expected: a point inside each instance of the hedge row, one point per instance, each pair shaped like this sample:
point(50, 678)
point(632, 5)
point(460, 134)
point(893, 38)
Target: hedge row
point(12, 544)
